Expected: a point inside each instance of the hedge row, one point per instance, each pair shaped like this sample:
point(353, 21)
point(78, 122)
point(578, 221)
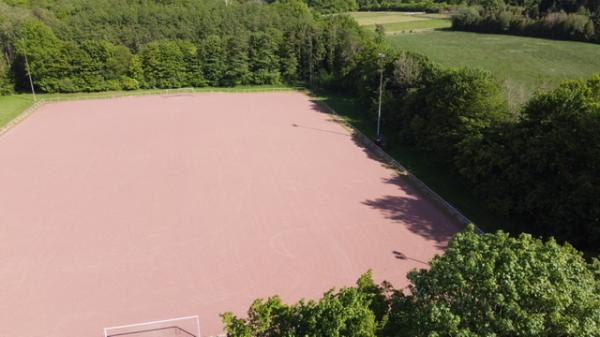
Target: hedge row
point(554, 25)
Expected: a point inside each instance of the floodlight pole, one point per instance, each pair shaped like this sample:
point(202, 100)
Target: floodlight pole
point(30, 80)
point(381, 57)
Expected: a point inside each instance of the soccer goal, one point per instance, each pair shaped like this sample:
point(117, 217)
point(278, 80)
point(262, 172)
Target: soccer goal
point(176, 327)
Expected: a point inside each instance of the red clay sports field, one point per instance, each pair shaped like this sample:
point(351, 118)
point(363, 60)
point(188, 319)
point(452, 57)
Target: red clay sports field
point(137, 209)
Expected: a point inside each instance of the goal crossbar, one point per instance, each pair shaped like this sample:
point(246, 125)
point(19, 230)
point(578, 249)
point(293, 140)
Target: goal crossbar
point(169, 324)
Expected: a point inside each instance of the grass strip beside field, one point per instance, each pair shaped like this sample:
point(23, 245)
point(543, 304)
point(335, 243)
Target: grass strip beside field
point(12, 106)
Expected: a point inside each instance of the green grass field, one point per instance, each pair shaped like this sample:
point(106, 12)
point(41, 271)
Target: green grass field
point(398, 22)
point(521, 64)
point(11, 106)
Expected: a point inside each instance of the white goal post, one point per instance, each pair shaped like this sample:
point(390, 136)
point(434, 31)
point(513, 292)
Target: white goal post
point(188, 326)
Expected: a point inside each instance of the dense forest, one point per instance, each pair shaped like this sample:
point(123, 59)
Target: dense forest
point(92, 46)
point(538, 165)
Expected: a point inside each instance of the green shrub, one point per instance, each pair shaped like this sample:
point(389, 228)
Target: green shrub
point(47, 62)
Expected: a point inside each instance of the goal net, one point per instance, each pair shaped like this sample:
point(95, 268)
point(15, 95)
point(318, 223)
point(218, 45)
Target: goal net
point(175, 327)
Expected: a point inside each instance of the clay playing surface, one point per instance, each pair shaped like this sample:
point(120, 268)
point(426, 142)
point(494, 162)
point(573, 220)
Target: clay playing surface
point(145, 208)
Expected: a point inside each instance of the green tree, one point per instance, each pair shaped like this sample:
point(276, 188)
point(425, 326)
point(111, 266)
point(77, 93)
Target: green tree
point(164, 64)
point(11, 22)
point(496, 285)
point(264, 58)
point(210, 54)
point(236, 61)
point(544, 168)
point(6, 84)
point(452, 106)
point(193, 76)
point(97, 65)
point(288, 56)
point(44, 51)
point(136, 72)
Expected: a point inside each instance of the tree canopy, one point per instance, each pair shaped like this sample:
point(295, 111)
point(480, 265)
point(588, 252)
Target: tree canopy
point(497, 285)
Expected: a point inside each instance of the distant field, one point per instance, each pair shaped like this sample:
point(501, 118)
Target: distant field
point(398, 22)
point(522, 64)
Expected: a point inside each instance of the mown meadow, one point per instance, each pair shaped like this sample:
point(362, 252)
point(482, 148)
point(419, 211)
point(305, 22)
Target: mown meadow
point(522, 65)
point(401, 22)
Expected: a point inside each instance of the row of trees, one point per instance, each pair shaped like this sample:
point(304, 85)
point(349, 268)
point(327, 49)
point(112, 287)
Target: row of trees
point(96, 65)
point(245, 43)
point(539, 165)
point(403, 5)
point(333, 6)
point(484, 285)
point(514, 20)
point(534, 7)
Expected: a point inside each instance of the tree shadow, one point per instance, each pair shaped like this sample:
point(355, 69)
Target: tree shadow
point(372, 151)
point(418, 214)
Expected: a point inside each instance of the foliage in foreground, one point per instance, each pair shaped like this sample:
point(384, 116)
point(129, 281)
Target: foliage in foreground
point(484, 285)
